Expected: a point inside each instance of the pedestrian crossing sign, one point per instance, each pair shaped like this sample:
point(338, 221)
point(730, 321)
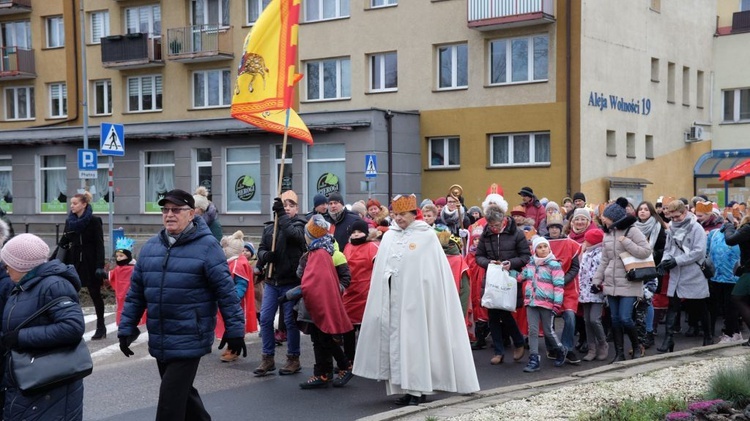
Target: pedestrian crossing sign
point(112, 139)
point(371, 166)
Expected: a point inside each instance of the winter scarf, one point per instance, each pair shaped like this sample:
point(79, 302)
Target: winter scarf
point(650, 229)
point(209, 216)
point(681, 229)
point(539, 261)
point(324, 242)
point(450, 217)
point(77, 224)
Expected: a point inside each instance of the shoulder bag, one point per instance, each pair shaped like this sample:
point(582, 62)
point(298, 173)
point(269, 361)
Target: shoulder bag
point(638, 270)
point(39, 370)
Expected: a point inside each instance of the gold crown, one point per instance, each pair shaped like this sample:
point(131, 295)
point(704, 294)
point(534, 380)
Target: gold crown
point(554, 219)
point(704, 207)
point(403, 203)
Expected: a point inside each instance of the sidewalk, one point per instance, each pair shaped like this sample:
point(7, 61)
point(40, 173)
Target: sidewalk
point(465, 404)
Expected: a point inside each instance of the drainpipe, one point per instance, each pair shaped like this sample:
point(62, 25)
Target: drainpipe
point(568, 152)
point(388, 115)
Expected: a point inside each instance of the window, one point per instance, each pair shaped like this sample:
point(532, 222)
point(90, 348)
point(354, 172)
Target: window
point(243, 182)
point(736, 105)
point(6, 183)
point(611, 143)
point(53, 175)
point(102, 97)
point(453, 66)
point(19, 103)
point(670, 82)
point(100, 187)
point(520, 149)
point(383, 72)
point(699, 87)
point(316, 10)
point(58, 100)
point(630, 145)
point(212, 88)
point(649, 146)
point(55, 32)
point(144, 19)
point(654, 69)
point(99, 26)
point(744, 5)
point(254, 9)
point(326, 170)
point(15, 34)
point(328, 79)
point(685, 85)
point(383, 3)
point(519, 59)
point(159, 170)
point(203, 169)
point(205, 12)
point(144, 93)
point(445, 152)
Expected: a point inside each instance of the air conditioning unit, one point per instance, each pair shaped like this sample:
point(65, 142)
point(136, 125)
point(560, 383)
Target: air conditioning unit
point(696, 133)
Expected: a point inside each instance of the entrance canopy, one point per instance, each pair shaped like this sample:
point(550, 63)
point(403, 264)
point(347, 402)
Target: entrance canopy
point(711, 164)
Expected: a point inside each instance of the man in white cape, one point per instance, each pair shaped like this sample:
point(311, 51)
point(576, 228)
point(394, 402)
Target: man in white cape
point(413, 333)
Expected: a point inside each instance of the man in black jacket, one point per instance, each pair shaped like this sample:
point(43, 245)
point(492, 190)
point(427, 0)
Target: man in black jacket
point(341, 217)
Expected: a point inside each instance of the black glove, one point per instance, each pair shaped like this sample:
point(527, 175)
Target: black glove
point(10, 339)
point(665, 266)
point(234, 345)
point(100, 273)
point(269, 256)
point(282, 299)
point(595, 289)
point(278, 207)
point(125, 342)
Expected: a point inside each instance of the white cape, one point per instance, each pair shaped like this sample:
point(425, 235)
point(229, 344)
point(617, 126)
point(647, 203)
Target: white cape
point(413, 331)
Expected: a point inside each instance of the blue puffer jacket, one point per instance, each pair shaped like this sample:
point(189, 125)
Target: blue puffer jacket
point(62, 325)
point(180, 285)
point(725, 257)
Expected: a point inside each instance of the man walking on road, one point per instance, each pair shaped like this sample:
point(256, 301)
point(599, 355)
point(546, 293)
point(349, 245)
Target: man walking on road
point(180, 277)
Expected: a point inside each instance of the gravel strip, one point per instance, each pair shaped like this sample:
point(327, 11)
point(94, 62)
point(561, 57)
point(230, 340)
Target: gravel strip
point(686, 381)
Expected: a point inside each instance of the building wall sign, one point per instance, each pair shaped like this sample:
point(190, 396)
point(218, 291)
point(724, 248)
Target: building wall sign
point(614, 102)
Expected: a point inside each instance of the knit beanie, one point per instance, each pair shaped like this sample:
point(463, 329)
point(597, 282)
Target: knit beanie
point(201, 198)
point(594, 237)
point(579, 195)
point(336, 197)
point(552, 205)
point(316, 227)
point(538, 240)
point(319, 199)
point(526, 191)
point(581, 212)
point(233, 244)
point(361, 226)
point(24, 252)
point(250, 247)
point(616, 211)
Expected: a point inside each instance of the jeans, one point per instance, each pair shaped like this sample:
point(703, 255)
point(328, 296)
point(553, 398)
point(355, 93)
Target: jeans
point(650, 318)
point(569, 329)
point(621, 311)
point(271, 293)
point(496, 329)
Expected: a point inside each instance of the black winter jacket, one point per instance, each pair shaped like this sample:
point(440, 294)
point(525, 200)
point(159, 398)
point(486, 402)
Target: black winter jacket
point(740, 237)
point(510, 245)
point(290, 245)
point(85, 250)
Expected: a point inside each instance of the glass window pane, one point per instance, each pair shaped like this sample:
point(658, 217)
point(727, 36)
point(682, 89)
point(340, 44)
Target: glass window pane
point(213, 88)
point(540, 57)
point(744, 104)
point(198, 90)
point(454, 152)
point(243, 187)
point(498, 60)
point(521, 147)
point(375, 71)
point(391, 70)
point(500, 153)
point(323, 151)
point(226, 85)
point(346, 85)
point(437, 152)
point(244, 154)
point(462, 65)
point(728, 105)
point(541, 147)
point(313, 81)
point(325, 178)
point(519, 60)
point(329, 79)
point(445, 75)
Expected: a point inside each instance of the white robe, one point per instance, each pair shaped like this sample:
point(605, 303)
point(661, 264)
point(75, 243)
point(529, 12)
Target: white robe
point(413, 333)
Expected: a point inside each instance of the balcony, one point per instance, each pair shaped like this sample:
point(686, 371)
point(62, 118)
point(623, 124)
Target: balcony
point(12, 7)
point(131, 51)
point(741, 22)
point(199, 43)
point(491, 15)
point(17, 63)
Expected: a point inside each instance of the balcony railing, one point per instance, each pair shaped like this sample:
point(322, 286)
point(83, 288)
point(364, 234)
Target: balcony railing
point(131, 51)
point(489, 15)
point(10, 7)
point(17, 63)
point(741, 22)
point(199, 43)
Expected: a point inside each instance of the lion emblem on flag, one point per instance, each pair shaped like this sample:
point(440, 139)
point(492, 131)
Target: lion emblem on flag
point(251, 64)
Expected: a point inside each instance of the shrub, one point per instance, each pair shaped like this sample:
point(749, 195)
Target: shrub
point(647, 409)
point(731, 385)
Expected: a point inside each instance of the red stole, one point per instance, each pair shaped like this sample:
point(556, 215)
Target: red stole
point(360, 260)
point(320, 289)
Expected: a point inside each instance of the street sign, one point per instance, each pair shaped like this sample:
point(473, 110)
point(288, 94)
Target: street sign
point(87, 163)
point(371, 166)
point(112, 139)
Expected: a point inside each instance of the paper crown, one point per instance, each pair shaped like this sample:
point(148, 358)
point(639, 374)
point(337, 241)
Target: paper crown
point(289, 195)
point(404, 203)
point(554, 219)
point(518, 210)
point(704, 207)
point(667, 200)
point(445, 236)
point(317, 227)
point(124, 243)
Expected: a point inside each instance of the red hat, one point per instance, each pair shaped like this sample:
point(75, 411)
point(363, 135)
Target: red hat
point(594, 236)
point(495, 188)
point(440, 201)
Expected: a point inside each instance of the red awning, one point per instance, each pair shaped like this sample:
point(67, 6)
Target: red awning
point(740, 170)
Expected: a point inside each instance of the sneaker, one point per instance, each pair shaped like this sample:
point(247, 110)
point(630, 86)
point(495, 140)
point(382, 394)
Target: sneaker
point(746, 343)
point(497, 359)
point(725, 339)
point(572, 358)
point(316, 382)
point(551, 355)
point(343, 378)
point(737, 337)
point(561, 354)
point(533, 364)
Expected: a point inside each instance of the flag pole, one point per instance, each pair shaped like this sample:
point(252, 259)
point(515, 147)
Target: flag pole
point(278, 189)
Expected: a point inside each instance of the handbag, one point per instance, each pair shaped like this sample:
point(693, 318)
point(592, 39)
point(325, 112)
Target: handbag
point(499, 289)
point(638, 270)
point(39, 370)
point(707, 267)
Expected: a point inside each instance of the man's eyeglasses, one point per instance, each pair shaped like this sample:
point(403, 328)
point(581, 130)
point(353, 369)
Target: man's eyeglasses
point(175, 211)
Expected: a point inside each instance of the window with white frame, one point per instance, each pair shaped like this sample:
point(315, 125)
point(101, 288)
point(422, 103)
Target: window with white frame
point(328, 79)
point(243, 179)
point(15, 34)
point(515, 60)
point(203, 169)
point(520, 149)
point(383, 72)
point(445, 152)
point(102, 90)
point(55, 32)
point(19, 103)
point(159, 168)
point(382, 3)
point(144, 19)
point(453, 66)
point(6, 183)
point(254, 9)
point(315, 10)
point(54, 183)
point(326, 170)
point(144, 93)
point(744, 5)
point(58, 100)
point(736, 105)
point(99, 188)
point(99, 26)
point(213, 12)
point(212, 88)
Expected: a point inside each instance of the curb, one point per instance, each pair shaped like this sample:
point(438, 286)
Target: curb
point(464, 404)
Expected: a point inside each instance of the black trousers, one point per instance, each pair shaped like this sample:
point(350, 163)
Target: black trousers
point(326, 350)
point(178, 399)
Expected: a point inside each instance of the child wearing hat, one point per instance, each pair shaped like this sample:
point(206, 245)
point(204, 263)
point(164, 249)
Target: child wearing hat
point(591, 297)
point(249, 252)
point(119, 277)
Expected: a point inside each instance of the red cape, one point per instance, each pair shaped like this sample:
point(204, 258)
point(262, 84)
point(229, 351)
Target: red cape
point(119, 279)
point(320, 289)
point(240, 267)
point(565, 250)
point(360, 259)
point(476, 277)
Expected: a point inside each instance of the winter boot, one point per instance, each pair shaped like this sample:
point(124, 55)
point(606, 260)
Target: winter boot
point(101, 329)
point(560, 355)
point(292, 365)
point(638, 351)
point(649, 340)
point(619, 339)
point(602, 351)
point(668, 344)
point(533, 364)
point(591, 354)
point(267, 365)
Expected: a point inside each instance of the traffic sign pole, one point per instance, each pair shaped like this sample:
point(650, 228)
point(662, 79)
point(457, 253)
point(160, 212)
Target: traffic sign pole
point(110, 189)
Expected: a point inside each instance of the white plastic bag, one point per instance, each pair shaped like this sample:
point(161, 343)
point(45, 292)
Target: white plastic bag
point(499, 289)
